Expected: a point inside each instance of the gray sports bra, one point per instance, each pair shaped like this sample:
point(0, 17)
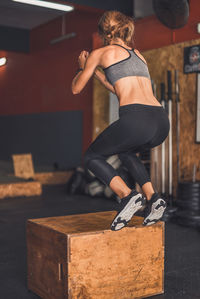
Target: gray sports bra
point(130, 66)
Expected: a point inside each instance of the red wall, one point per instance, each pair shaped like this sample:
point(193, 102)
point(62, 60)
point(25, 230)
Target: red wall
point(41, 81)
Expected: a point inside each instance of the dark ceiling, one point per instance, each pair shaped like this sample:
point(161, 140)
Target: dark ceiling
point(18, 15)
point(17, 19)
point(25, 16)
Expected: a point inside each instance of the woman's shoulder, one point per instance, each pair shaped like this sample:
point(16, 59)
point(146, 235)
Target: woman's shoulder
point(104, 49)
point(102, 52)
point(98, 51)
point(107, 52)
point(98, 55)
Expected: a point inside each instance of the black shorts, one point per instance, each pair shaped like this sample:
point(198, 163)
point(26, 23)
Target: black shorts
point(139, 127)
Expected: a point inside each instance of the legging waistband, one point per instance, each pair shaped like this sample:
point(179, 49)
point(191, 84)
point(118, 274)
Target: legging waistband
point(137, 107)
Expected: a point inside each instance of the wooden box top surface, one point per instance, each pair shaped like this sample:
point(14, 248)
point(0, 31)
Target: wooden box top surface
point(86, 223)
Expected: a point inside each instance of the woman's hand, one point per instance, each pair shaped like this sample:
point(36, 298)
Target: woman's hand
point(88, 62)
point(83, 58)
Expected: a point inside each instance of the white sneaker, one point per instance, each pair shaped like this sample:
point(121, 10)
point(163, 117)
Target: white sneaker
point(154, 210)
point(127, 208)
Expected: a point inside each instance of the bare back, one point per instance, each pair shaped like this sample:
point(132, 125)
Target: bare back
point(131, 89)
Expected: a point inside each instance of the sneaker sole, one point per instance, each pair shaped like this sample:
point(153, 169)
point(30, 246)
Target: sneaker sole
point(123, 217)
point(156, 213)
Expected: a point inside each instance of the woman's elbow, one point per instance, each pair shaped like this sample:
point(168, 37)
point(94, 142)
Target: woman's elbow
point(75, 90)
point(113, 91)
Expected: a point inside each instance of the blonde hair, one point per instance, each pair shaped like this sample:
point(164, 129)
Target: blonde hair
point(114, 24)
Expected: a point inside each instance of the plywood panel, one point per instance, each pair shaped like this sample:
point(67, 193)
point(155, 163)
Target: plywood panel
point(20, 189)
point(171, 58)
point(53, 178)
point(100, 108)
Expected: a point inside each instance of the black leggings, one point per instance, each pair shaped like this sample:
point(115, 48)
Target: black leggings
point(139, 127)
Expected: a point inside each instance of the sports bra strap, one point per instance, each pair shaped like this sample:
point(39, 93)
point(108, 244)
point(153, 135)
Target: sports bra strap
point(124, 47)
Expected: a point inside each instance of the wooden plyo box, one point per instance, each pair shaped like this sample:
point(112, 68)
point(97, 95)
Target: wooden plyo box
point(11, 186)
point(53, 178)
point(79, 257)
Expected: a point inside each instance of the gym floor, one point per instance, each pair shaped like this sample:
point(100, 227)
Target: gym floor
point(182, 244)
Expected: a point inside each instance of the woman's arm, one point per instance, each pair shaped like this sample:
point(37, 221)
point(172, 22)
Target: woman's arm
point(102, 78)
point(88, 62)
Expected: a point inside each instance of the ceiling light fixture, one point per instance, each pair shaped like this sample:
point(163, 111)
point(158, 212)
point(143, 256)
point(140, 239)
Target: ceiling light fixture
point(47, 4)
point(63, 35)
point(3, 61)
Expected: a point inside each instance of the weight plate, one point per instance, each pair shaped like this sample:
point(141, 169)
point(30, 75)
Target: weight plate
point(189, 183)
point(187, 205)
point(193, 215)
point(188, 218)
point(188, 192)
point(189, 198)
point(186, 222)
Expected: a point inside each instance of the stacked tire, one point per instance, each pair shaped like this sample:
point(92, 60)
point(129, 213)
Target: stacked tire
point(188, 203)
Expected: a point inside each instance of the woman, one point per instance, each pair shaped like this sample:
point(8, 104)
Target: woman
point(142, 124)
